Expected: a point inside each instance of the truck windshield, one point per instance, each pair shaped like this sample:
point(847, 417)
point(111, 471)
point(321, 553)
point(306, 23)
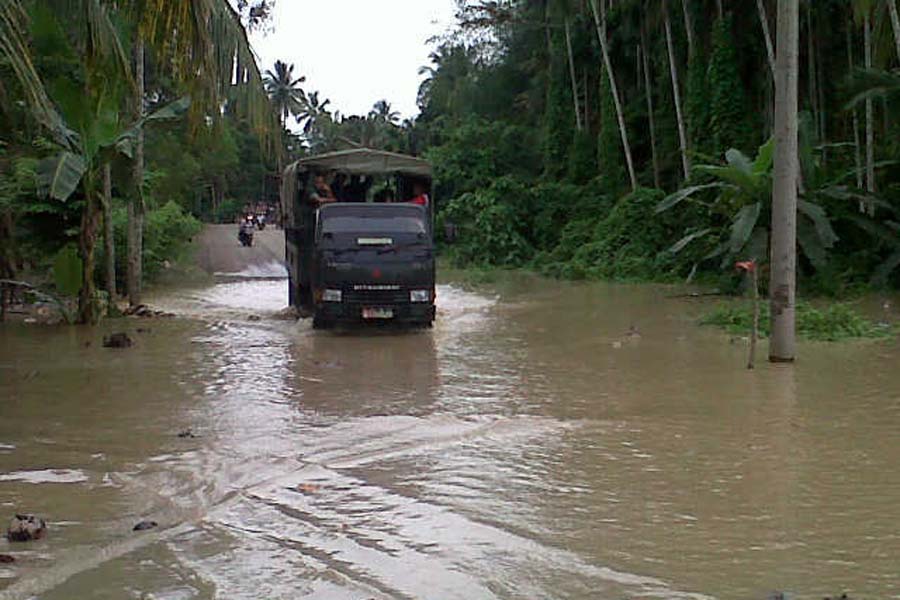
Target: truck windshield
point(371, 225)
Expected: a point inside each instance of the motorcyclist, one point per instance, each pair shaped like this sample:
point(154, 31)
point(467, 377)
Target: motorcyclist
point(245, 231)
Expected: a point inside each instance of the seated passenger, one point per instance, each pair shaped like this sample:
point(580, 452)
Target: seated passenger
point(420, 194)
point(358, 188)
point(340, 188)
point(322, 193)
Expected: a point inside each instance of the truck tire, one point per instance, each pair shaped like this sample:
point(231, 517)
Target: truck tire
point(321, 323)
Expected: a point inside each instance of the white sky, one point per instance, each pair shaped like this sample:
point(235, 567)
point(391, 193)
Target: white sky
point(356, 52)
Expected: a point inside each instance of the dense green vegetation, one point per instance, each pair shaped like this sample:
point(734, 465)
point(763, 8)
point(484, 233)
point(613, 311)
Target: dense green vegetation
point(521, 123)
point(120, 120)
point(626, 140)
point(834, 323)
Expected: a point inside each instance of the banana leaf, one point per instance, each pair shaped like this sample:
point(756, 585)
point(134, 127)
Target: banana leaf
point(58, 176)
point(819, 218)
point(811, 244)
point(67, 271)
point(683, 242)
point(743, 226)
point(738, 160)
point(744, 180)
point(764, 158)
point(676, 198)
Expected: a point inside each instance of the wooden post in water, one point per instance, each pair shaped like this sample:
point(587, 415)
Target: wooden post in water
point(754, 333)
point(749, 267)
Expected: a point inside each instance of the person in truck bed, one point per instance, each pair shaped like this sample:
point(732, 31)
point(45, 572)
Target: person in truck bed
point(322, 192)
point(420, 194)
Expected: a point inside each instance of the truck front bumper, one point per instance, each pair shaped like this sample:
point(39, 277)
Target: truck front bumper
point(409, 313)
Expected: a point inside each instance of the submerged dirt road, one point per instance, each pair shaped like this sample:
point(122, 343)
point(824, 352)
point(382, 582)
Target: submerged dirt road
point(218, 251)
point(533, 445)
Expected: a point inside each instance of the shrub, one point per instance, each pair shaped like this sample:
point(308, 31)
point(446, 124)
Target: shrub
point(626, 243)
point(167, 235)
point(488, 226)
point(834, 323)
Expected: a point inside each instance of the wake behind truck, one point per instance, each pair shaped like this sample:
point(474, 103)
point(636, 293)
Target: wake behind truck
point(359, 238)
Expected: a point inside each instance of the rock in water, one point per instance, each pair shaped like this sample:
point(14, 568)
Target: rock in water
point(117, 340)
point(145, 525)
point(25, 528)
point(6, 559)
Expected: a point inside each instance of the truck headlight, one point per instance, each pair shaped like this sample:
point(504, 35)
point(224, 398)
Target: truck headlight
point(420, 296)
point(332, 296)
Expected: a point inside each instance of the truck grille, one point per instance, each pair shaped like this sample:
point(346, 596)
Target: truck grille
point(376, 297)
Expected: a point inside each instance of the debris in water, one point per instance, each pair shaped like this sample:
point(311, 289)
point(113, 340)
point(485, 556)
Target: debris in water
point(254, 318)
point(187, 434)
point(308, 488)
point(6, 559)
point(25, 528)
point(145, 525)
point(286, 314)
point(311, 379)
point(117, 340)
point(144, 311)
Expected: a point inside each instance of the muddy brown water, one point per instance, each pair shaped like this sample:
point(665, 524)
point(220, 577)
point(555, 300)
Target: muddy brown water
point(527, 447)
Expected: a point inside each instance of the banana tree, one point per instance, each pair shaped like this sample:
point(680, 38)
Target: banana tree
point(94, 132)
point(744, 201)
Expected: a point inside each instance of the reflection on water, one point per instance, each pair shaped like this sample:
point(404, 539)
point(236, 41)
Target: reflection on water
point(579, 441)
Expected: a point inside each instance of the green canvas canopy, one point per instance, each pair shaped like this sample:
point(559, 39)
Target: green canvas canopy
point(365, 161)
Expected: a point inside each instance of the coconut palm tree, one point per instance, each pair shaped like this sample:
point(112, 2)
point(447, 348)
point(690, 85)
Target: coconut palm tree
point(783, 275)
point(383, 112)
point(205, 48)
point(314, 119)
point(599, 11)
point(284, 91)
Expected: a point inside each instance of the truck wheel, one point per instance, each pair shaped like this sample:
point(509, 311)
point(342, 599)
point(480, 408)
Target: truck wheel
point(321, 323)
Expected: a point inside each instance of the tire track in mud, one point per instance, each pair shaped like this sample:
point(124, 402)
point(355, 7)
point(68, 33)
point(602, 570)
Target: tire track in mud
point(187, 508)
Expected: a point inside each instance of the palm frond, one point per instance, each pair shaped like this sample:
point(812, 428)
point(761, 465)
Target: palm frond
point(13, 47)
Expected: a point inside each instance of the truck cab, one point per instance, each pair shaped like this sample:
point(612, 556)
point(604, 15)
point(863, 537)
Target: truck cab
point(354, 260)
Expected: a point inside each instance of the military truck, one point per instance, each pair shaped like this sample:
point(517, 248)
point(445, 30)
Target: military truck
point(359, 228)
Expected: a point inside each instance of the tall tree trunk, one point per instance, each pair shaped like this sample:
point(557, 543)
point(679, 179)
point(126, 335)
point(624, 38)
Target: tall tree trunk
point(578, 122)
point(600, 22)
point(109, 242)
point(857, 145)
point(676, 93)
point(7, 259)
point(136, 206)
point(783, 277)
point(87, 242)
point(823, 107)
point(764, 21)
point(688, 27)
point(650, 112)
point(870, 112)
point(895, 24)
point(813, 97)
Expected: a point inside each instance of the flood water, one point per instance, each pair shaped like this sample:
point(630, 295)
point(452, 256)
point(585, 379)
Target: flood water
point(527, 447)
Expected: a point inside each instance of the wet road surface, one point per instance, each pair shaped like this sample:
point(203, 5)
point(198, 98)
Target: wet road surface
point(533, 445)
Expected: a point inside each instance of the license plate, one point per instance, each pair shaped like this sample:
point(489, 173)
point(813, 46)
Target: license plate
point(378, 313)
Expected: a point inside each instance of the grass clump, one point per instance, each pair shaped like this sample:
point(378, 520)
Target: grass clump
point(835, 323)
